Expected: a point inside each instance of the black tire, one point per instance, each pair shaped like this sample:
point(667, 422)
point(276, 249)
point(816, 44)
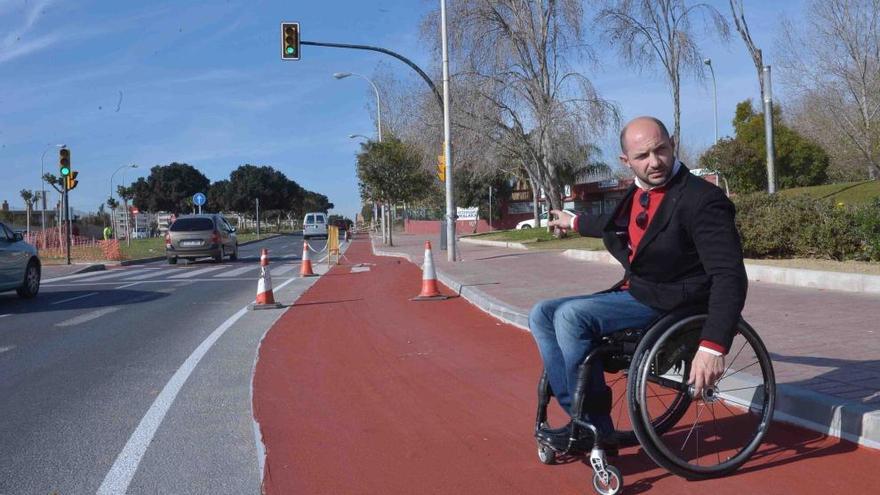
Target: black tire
point(234, 255)
point(615, 482)
point(172, 261)
point(30, 286)
point(737, 436)
point(218, 258)
point(526, 226)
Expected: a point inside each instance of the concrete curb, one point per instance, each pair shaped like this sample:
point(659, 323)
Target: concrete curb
point(825, 414)
point(480, 242)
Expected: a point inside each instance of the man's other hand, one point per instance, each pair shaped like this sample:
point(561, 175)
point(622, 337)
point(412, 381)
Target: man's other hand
point(706, 369)
point(561, 219)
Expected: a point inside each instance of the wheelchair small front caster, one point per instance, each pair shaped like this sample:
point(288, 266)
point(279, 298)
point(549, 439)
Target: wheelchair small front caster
point(546, 455)
point(610, 484)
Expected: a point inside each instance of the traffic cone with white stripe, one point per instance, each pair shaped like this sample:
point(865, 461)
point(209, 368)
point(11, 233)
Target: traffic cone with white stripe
point(265, 297)
point(305, 270)
point(430, 291)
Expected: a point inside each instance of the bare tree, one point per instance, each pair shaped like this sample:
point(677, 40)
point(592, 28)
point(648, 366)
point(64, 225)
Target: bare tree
point(516, 95)
point(29, 198)
point(832, 61)
point(649, 31)
point(739, 20)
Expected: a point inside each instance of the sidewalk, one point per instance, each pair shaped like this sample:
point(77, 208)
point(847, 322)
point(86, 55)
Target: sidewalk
point(824, 344)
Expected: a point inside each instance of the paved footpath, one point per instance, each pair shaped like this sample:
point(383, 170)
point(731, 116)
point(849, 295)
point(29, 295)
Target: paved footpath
point(825, 344)
point(359, 390)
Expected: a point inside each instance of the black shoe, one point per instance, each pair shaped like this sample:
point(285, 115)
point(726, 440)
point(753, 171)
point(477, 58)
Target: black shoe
point(558, 440)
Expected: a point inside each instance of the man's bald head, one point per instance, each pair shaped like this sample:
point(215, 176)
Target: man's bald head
point(639, 122)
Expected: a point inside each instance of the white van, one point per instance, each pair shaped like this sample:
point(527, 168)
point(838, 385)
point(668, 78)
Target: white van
point(315, 225)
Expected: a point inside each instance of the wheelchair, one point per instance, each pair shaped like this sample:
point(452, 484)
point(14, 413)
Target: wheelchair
point(696, 438)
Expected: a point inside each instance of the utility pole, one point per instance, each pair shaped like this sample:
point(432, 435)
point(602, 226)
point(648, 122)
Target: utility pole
point(258, 217)
point(768, 132)
point(447, 141)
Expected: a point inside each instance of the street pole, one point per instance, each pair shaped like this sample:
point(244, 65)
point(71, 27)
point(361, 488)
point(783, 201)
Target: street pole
point(768, 131)
point(258, 217)
point(66, 219)
point(447, 142)
point(490, 207)
point(708, 62)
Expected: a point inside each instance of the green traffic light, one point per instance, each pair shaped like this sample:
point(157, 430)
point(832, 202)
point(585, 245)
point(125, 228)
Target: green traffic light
point(65, 171)
point(290, 50)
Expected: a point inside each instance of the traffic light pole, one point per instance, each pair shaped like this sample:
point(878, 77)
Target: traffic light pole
point(66, 218)
point(398, 56)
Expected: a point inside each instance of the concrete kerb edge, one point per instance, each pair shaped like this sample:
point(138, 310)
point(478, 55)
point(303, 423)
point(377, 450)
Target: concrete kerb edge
point(480, 242)
point(795, 405)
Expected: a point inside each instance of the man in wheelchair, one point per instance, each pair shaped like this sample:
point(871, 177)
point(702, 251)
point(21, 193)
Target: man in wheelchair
point(675, 236)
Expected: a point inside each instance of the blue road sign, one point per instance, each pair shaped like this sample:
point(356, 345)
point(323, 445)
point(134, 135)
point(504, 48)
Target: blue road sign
point(199, 199)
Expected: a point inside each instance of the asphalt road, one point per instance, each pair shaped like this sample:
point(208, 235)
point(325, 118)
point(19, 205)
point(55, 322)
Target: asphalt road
point(82, 366)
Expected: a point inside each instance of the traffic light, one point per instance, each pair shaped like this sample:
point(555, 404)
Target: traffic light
point(71, 180)
point(64, 163)
point(441, 167)
point(289, 41)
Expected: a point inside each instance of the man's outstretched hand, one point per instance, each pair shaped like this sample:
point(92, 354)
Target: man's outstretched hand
point(706, 369)
point(560, 219)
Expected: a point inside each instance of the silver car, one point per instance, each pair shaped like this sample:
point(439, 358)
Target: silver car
point(198, 236)
point(20, 266)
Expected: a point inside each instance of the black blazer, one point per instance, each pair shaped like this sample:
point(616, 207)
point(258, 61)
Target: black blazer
point(691, 253)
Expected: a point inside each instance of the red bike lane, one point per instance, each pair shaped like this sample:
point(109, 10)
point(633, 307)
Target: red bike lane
point(360, 390)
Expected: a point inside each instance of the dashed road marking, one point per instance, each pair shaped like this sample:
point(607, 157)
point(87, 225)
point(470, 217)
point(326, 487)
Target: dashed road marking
point(83, 318)
point(196, 272)
point(127, 285)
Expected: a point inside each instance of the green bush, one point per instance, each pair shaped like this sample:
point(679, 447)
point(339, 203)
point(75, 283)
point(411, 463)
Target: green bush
point(782, 227)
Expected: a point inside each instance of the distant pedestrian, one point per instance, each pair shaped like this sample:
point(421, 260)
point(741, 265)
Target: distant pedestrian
point(675, 236)
point(108, 233)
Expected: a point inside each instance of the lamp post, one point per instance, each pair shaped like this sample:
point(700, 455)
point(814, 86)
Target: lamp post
point(447, 140)
point(386, 234)
point(43, 183)
point(116, 231)
point(708, 62)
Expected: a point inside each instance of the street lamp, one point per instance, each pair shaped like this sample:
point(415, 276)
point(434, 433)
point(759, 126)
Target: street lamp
point(708, 62)
point(343, 75)
point(111, 190)
point(43, 182)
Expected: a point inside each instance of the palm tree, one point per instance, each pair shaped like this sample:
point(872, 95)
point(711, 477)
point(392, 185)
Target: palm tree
point(29, 200)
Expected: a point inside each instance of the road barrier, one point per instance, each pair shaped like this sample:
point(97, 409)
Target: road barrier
point(332, 244)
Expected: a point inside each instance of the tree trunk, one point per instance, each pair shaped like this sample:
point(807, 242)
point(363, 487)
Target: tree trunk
point(676, 99)
point(535, 193)
point(390, 224)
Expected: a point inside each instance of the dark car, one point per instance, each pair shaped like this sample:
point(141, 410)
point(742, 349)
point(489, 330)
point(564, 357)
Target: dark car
point(198, 236)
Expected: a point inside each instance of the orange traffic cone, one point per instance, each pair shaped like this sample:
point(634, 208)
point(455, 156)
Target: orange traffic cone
point(265, 298)
point(430, 291)
point(305, 270)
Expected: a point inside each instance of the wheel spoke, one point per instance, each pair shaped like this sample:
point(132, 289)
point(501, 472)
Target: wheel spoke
point(715, 427)
point(737, 371)
point(734, 359)
point(696, 421)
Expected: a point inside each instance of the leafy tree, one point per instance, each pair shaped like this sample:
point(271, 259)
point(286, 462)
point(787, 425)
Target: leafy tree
point(169, 187)
point(313, 201)
point(247, 182)
point(391, 172)
point(799, 161)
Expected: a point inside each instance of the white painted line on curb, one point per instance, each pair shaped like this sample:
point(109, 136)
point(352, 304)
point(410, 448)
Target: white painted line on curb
point(73, 298)
point(126, 464)
point(76, 320)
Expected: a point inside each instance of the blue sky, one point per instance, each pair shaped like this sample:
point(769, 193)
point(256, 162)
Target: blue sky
point(202, 82)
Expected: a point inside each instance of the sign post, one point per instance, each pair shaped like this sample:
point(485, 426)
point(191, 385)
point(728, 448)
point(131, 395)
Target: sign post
point(199, 200)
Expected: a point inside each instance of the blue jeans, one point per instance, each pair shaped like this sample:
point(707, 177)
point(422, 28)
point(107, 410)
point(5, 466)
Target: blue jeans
point(566, 329)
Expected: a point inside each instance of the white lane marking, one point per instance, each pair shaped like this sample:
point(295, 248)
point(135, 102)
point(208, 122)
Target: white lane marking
point(126, 464)
point(196, 272)
point(7, 348)
point(165, 281)
point(119, 272)
point(77, 320)
point(281, 270)
point(4, 316)
point(237, 271)
point(156, 272)
point(73, 298)
point(358, 269)
point(127, 285)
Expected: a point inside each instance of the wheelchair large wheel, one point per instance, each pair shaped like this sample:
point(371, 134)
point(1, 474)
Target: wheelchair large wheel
point(721, 429)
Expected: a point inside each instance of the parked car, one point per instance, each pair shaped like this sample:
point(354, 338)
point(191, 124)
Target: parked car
point(530, 223)
point(20, 266)
point(315, 225)
point(140, 233)
point(198, 236)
